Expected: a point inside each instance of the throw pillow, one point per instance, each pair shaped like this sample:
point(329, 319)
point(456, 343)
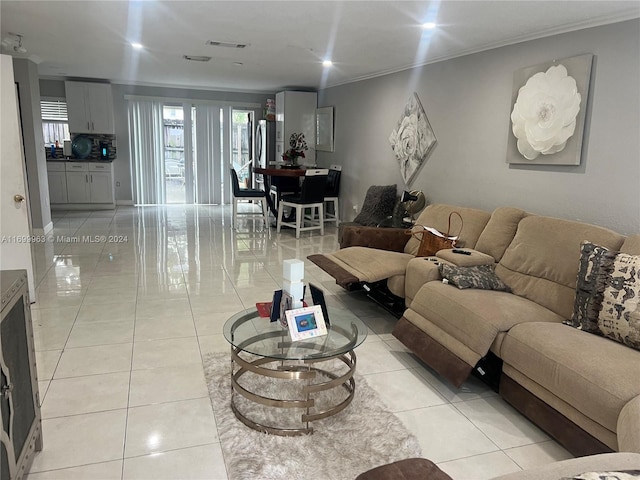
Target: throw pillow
point(622, 475)
point(596, 263)
point(608, 295)
point(479, 276)
point(619, 317)
point(378, 204)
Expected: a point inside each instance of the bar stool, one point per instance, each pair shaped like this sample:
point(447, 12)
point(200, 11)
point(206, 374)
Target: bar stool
point(240, 194)
point(331, 195)
point(311, 197)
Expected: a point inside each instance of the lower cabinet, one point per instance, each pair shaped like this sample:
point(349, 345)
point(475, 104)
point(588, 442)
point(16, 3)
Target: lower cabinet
point(81, 184)
point(57, 182)
point(78, 187)
point(100, 183)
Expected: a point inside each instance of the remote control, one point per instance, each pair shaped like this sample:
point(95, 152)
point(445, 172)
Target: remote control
point(461, 252)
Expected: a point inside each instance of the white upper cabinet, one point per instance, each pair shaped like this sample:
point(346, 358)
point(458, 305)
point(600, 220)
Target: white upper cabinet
point(90, 107)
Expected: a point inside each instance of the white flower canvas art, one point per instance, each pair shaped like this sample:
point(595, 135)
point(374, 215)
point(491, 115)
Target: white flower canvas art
point(549, 110)
point(412, 140)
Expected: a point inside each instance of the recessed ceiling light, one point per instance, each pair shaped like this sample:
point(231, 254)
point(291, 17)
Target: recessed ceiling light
point(429, 25)
point(136, 45)
point(327, 63)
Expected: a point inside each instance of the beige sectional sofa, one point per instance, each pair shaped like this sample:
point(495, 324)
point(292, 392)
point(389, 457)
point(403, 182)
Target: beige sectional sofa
point(581, 388)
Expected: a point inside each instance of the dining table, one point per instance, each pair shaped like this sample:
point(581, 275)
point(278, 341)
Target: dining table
point(277, 171)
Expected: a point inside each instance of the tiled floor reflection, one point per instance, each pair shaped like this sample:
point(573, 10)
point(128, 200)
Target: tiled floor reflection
point(120, 327)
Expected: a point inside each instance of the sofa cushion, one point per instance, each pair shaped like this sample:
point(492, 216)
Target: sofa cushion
point(437, 216)
point(594, 375)
point(478, 276)
point(541, 263)
point(378, 204)
point(500, 230)
point(475, 317)
point(631, 245)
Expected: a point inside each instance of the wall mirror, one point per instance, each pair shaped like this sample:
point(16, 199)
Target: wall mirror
point(324, 129)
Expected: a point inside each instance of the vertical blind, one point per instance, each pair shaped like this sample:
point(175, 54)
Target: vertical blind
point(209, 152)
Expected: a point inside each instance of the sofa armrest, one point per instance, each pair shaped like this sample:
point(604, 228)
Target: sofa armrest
point(628, 428)
point(420, 270)
point(461, 260)
point(392, 239)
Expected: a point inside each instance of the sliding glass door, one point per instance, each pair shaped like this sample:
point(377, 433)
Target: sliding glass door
point(182, 153)
point(174, 155)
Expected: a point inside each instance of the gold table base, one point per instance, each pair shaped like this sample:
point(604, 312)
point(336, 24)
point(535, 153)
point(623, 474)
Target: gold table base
point(304, 372)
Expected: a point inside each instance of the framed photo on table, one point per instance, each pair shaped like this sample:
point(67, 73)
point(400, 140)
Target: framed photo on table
point(307, 322)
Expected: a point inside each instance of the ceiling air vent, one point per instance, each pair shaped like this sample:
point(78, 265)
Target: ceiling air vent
point(196, 58)
point(214, 43)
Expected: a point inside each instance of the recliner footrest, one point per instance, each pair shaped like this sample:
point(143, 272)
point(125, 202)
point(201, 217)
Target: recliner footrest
point(343, 278)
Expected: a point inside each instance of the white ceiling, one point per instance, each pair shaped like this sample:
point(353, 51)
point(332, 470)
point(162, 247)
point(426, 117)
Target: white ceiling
point(288, 40)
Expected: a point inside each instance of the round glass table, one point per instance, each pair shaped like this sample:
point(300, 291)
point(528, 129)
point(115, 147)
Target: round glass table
point(279, 386)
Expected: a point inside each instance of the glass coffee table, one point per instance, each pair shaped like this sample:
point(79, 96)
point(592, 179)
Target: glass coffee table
point(279, 386)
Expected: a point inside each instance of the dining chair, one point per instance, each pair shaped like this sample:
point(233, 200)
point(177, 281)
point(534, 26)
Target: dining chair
point(311, 198)
point(331, 195)
point(283, 186)
point(247, 194)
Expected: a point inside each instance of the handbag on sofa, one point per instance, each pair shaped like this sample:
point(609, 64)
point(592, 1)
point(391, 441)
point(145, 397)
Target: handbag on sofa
point(431, 240)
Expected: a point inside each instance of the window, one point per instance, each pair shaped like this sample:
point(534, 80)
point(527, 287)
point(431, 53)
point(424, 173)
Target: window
point(55, 123)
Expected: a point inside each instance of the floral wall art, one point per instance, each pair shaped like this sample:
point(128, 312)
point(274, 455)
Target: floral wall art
point(412, 140)
point(548, 113)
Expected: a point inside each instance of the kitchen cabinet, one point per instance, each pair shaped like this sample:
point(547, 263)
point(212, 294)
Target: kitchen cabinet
point(78, 182)
point(101, 183)
point(56, 174)
point(89, 107)
point(295, 113)
point(21, 426)
point(89, 183)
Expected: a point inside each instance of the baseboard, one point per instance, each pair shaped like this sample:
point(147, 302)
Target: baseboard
point(43, 231)
point(124, 202)
point(84, 206)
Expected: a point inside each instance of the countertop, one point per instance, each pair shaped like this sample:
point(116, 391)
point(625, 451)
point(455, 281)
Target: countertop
point(89, 160)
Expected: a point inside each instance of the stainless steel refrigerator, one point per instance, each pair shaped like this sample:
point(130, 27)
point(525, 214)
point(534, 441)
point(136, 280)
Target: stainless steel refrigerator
point(265, 142)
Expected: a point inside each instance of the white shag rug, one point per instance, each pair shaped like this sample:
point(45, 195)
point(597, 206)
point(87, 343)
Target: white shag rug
point(363, 436)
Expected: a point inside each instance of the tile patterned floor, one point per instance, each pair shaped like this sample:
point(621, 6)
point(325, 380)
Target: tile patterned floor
point(120, 329)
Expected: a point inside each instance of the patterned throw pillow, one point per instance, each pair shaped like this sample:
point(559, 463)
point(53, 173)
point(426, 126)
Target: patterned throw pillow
point(622, 475)
point(479, 276)
point(596, 263)
point(608, 295)
point(619, 317)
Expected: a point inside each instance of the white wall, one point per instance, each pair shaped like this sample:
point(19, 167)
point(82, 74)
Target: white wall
point(468, 102)
point(26, 76)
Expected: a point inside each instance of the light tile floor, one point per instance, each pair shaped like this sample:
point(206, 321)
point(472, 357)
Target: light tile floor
point(121, 326)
